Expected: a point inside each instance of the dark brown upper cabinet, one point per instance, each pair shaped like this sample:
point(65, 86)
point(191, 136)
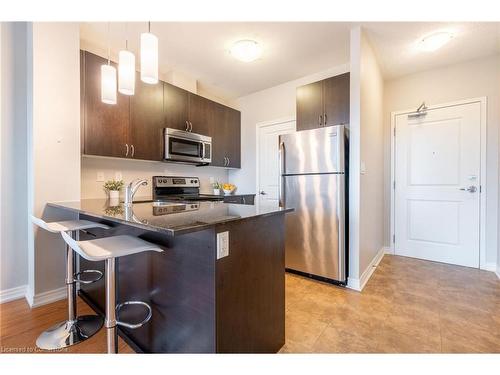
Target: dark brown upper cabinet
point(323, 103)
point(133, 128)
point(106, 126)
point(226, 133)
point(146, 121)
point(175, 106)
point(200, 114)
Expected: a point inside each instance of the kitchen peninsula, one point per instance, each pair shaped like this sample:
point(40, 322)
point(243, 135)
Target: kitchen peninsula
point(219, 286)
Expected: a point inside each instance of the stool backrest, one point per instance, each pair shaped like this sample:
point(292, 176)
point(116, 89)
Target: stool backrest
point(74, 245)
point(42, 224)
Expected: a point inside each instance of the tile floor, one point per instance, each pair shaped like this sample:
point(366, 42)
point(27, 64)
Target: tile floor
point(408, 306)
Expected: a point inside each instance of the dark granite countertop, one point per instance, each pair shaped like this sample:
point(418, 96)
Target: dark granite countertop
point(172, 218)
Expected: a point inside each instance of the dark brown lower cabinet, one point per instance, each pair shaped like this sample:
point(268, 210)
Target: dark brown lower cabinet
point(201, 304)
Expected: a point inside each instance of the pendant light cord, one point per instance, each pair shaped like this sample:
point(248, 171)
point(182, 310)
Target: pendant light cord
point(109, 42)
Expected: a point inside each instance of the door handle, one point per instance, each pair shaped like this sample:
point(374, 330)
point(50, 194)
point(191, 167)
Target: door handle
point(470, 189)
point(133, 151)
point(126, 153)
point(262, 192)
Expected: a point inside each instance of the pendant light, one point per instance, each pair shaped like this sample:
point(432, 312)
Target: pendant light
point(149, 57)
point(108, 80)
point(126, 71)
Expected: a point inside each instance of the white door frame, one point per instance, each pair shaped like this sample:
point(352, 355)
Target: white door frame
point(482, 179)
point(258, 126)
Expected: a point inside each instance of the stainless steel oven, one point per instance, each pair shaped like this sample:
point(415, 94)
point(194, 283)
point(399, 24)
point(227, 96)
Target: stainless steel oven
point(187, 147)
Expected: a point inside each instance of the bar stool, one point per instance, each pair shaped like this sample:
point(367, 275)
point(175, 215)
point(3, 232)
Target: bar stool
point(108, 249)
point(76, 328)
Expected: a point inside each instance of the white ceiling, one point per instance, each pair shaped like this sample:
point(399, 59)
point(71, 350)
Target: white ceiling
point(397, 52)
point(291, 50)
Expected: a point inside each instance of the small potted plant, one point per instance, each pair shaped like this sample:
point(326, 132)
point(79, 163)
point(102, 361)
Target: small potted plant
point(216, 187)
point(113, 187)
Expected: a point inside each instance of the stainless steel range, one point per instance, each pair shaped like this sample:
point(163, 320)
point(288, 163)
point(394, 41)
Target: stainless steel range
point(186, 189)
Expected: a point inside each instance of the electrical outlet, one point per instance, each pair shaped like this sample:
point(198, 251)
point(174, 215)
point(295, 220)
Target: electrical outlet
point(118, 176)
point(222, 244)
point(100, 177)
point(212, 180)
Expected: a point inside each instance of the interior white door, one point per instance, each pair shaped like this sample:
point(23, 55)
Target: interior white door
point(268, 161)
point(437, 185)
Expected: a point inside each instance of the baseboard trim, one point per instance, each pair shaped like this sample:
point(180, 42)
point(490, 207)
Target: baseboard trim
point(46, 297)
point(388, 250)
point(489, 267)
point(359, 284)
point(12, 294)
point(497, 272)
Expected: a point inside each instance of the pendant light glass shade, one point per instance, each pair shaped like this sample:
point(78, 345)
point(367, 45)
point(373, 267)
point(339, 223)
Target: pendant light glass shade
point(108, 84)
point(149, 58)
point(126, 72)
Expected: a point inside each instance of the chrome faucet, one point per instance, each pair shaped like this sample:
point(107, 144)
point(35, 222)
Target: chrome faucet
point(131, 189)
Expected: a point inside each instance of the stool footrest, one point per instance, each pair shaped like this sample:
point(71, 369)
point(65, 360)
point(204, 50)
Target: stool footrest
point(130, 325)
point(77, 275)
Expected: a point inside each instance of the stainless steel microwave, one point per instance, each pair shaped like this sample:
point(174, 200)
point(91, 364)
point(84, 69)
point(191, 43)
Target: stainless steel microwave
point(187, 147)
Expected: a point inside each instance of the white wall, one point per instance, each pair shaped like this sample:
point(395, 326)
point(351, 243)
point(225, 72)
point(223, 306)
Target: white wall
point(467, 80)
point(372, 157)
point(132, 169)
point(13, 146)
point(54, 142)
point(366, 200)
point(271, 104)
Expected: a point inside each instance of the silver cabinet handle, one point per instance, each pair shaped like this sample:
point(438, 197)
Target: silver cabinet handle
point(126, 153)
point(187, 125)
point(281, 193)
point(320, 120)
point(324, 119)
point(133, 151)
point(190, 126)
point(470, 189)
point(225, 161)
point(228, 161)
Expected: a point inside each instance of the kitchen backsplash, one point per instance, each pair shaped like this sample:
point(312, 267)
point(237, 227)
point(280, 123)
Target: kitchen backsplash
point(92, 168)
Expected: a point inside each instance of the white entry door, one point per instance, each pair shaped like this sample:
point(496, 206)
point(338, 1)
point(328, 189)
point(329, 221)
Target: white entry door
point(437, 185)
point(268, 161)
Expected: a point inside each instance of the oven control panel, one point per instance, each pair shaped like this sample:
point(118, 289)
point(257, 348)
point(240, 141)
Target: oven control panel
point(169, 181)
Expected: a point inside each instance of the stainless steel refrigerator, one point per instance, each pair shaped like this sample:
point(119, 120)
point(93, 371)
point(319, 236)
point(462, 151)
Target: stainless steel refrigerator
point(313, 169)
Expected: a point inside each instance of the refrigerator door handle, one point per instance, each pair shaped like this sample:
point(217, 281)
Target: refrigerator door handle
point(281, 194)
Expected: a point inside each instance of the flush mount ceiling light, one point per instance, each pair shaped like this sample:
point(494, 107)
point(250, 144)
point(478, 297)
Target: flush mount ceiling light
point(246, 50)
point(435, 41)
point(149, 57)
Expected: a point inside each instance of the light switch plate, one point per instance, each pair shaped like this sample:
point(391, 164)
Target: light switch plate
point(118, 176)
point(100, 177)
point(222, 244)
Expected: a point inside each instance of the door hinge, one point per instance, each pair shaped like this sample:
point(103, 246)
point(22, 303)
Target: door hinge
point(394, 185)
point(393, 238)
point(394, 131)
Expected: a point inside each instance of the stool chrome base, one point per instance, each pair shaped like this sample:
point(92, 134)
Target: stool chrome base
point(69, 333)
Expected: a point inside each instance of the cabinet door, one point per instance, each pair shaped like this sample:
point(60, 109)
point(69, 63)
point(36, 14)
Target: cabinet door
point(105, 125)
point(146, 121)
point(233, 137)
point(310, 106)
point(200, 114)
point(336, 100)
point(175, 106)
point(218, 134)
